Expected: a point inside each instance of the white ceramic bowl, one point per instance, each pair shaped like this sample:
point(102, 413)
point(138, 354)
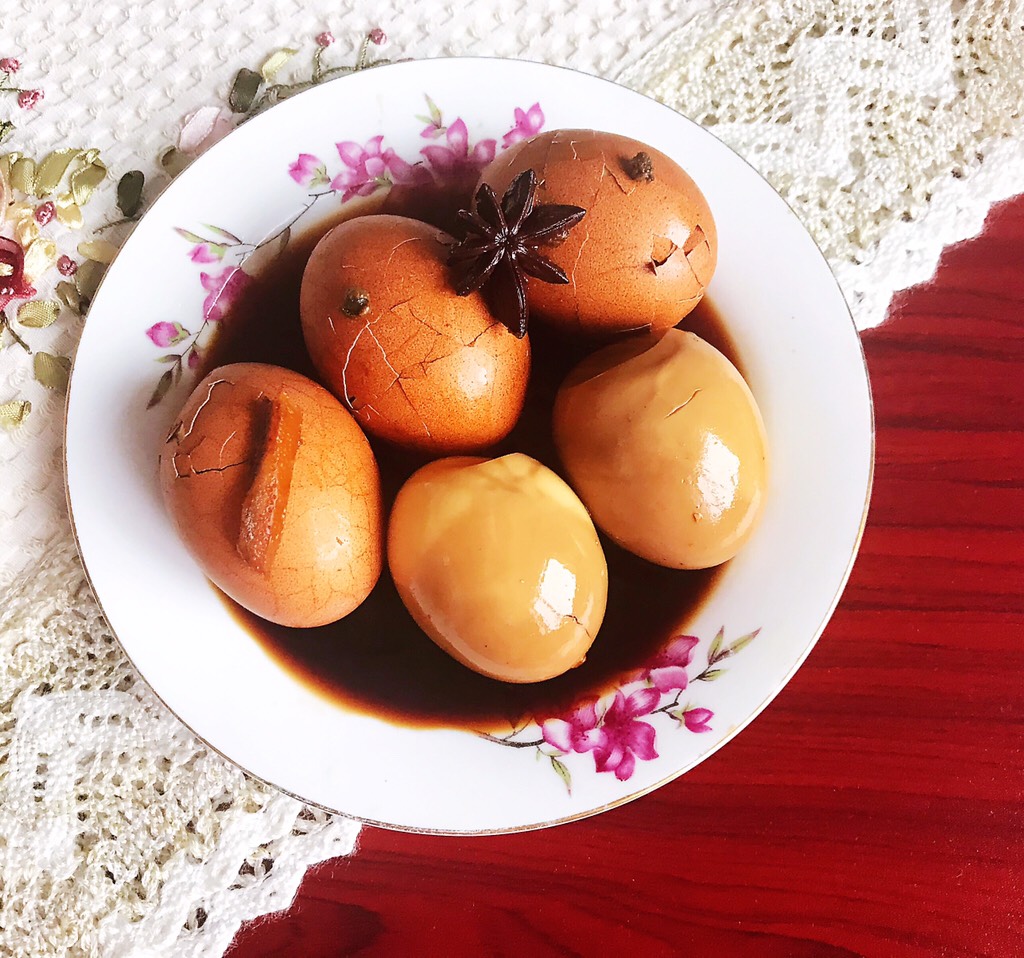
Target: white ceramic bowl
point(798, 345)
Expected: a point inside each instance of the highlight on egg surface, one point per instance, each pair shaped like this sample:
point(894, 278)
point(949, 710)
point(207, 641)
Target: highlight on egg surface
point(275, 491)
point(647, 248)
point(499, 563)
point(664, 443)
point(415, 363)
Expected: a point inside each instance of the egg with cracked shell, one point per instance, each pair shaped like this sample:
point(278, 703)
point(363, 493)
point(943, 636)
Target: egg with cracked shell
point(645, 251)
point(499, 563)
point(415, 363)
point(275, 491)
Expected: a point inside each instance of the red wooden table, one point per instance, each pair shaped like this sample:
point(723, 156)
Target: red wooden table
point(877, 807)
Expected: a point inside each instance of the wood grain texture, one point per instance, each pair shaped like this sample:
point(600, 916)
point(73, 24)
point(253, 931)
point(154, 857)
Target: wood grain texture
point(877, 807)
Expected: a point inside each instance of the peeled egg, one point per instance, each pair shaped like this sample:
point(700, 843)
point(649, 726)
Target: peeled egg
point(663, 441)
point(647, 247)
point(275, 491)
point(416, 364)
point(499, 563)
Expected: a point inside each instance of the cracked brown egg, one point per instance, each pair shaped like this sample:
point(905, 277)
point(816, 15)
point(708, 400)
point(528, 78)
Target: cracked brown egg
point(663, 441)
point(646, 250)
point(417, 364)
point(499, 563)
point(274, 490)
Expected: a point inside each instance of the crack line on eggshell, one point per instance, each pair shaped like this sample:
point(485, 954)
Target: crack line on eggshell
point(707, 245)
point(419, 319)
point(348, 359)
point(583, 243)
point(575, 619)
point(383, 354)
point(398, 382)
point(611, 170)
point(220, 454)
point(396, 248)
point(655, 262)
point(202, 405)
point(192, 471)
point(472, 342)
point(683, 405)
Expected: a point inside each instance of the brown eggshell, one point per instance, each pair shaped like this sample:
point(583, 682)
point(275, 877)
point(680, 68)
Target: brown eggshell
point(419, 365)
point(663, 441)
point(644, 253)
point(499, 563)
point(275, 491)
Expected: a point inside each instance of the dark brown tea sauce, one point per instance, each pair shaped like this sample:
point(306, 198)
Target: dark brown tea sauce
point(376, 660)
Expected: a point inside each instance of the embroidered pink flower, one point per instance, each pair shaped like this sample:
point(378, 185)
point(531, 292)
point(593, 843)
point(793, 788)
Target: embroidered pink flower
point(28, 99)
point(222, 290)
point(324, 39)
point(12, 283)
point(377, 36)
point(527, 124)
point(10, 65)
point(66, 265)
point(308, 170)
point(193, 358)
point(626, 738)
point(45, 212)
point(166, 334)
point(696, 720)
point(456, 156)
point(578, 733)
point(667, 669)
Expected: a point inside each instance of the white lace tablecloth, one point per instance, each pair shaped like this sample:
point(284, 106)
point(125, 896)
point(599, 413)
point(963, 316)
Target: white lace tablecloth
point(890, 127)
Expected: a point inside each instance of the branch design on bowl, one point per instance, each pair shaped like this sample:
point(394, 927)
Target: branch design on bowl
point(610, 728)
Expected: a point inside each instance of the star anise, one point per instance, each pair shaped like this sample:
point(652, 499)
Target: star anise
point(501, 242)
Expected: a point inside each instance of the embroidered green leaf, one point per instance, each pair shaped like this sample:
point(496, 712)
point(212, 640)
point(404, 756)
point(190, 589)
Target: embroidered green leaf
point(169, 358)
point(38, 313)
point(14, 412)
point(85, 179)
point(67, 293)
point(163, 384)
point(68, 211)
point(99, 250)
point(129, 192)
point(716, 645)
point(173, 161)
point(52, 371)
point(6, 129)
point(88, 277)
point(52, 169)
point(274, 62)
point(711, 675)
point(23, 175)
point(243, 91)
point(563, 773)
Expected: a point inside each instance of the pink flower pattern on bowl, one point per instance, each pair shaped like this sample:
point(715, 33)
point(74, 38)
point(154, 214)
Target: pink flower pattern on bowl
point(365, 169)
point(618, 728)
